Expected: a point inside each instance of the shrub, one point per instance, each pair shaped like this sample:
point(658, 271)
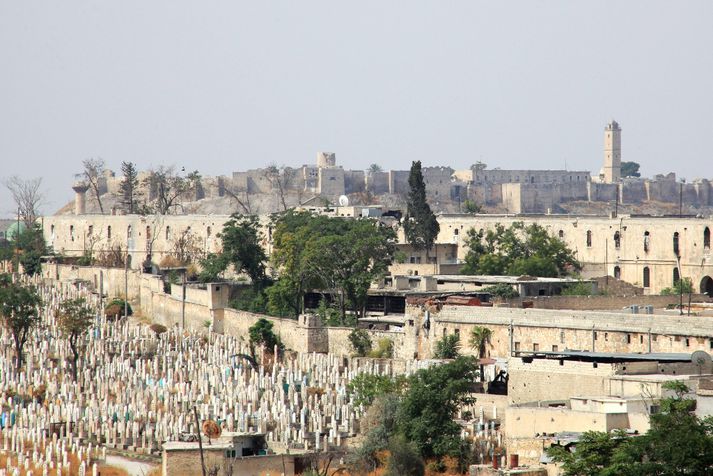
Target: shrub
point(360, 342)
point(448, 347)
point(404, 458)
point(261, 334)
point(580, 288)
point(384, 349)
point(501, 290)
point(115, 309)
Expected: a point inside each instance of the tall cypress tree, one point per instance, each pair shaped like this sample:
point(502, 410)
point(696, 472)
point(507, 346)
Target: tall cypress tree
point(420, 224)
point(128, 186)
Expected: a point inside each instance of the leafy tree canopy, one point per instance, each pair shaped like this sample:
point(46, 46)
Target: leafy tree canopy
point(518, 250)
point(677, 443)
point(630, 169)
point(261, 334)
point(318, 252)
point(19, 311)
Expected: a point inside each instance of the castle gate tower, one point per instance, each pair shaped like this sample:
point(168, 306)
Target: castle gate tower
point(612, 152)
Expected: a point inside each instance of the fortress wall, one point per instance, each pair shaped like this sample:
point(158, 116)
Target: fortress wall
point(354, 181)
point(602, 192)
point(378, 182)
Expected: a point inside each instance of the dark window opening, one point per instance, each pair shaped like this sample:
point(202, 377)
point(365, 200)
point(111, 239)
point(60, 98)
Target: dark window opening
point(647, 277)
point(617, 240)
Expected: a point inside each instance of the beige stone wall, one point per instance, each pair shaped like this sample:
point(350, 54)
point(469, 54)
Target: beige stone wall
point(526, 422)
point(601, 253)
point(188, 463)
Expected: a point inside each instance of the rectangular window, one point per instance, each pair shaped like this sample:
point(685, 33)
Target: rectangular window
point(517, 346)
point(555, 348)
point(535, 347)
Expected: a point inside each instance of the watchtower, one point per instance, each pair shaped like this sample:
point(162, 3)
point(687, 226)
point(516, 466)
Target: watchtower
point(612, 152)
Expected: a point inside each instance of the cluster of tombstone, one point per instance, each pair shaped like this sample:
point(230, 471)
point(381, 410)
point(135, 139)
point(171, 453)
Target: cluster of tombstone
point(136, 389)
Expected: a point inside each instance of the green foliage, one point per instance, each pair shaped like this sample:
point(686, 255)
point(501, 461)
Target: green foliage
point(677, 443)
point(128, 187)
point(420, 224)
point(501, 290)
point(630, 169)
point(261, 334)
point(250, 300)
point(469, 206)
point(518, 250)
point(404, 458)
point(115, 308)
point(382, 413)
point(580, 288)
point(447, 347)
point(479, 339)
point(75, 318)
point(331, 316)
point(241, 247)
point(430, 404)
point(26, 246)
point(360, 342)
point(19, 309)
point(384, 349)
point(682, 286)
point(319, 252)
point(367, 387)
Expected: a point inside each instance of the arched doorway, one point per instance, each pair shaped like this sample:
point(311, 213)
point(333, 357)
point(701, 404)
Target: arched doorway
point(707, 286)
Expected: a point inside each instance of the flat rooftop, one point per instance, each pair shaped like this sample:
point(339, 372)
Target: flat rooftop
point(610, 357)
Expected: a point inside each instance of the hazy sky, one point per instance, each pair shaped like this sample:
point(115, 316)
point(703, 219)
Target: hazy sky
point(226, 85)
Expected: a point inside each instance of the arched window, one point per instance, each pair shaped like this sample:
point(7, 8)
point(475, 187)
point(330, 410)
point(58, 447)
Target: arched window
point(617, 240)
point(129, 232)
point(617, 272)
point(90, 230)
point(168, 232)
point(676, 248)
point(647, 241)
point(561, 234)
point(676, 276)
point(707, 238)
point(208, 232)
point(148, 232)
point(108, 232)
point(647, 277)
point(589, 238)
point(52, 233)
point(71, 232)
point(455, 232)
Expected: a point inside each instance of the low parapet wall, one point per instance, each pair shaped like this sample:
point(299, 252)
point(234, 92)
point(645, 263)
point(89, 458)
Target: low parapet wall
point(602, 303)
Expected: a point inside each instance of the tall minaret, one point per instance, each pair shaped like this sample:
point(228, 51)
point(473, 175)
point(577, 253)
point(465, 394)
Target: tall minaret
point(612, 152)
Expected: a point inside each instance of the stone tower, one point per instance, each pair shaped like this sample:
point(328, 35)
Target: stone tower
point(612, 152)
point(80, 197)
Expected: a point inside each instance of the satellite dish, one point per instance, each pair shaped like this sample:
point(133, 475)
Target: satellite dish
point(211, 429)
point(343, 201)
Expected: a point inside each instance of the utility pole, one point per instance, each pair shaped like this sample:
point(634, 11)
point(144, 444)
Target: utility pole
point(126, 282)
point(200, 441)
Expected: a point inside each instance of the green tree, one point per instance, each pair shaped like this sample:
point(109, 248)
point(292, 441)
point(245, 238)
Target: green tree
point(242, 247)
point(630, 169)
point(318, 252)
point(19, 309)
point(366, 387)
point(479, 339)
point(429, 405)
point(75, 318)
point(518, 250)
point(404, 459)
point(30, 246)
point(360, 342)
point(128, 186)
point(420, 224)
point(447, 347)
point(261, 334)
point(677, 443)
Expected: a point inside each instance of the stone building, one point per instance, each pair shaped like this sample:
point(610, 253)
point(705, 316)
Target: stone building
point(650, 252)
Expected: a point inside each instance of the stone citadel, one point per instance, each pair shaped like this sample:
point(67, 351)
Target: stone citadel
point(274, 188)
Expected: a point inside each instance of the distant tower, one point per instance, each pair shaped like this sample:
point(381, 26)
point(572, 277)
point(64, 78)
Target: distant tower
point(80, 197)
point(326, 159)
point(612, 152)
